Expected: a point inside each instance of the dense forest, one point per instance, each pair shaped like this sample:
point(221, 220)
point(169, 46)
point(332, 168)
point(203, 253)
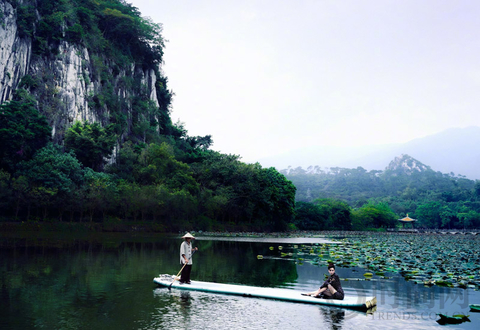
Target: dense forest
point(376, 199)
point(133, 165)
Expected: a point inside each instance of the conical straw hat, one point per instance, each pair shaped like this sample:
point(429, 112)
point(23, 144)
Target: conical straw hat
point(188, 235)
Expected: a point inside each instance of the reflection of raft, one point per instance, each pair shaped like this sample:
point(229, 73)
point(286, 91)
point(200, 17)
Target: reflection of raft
point(474, 307)
point(362, 303)
point(455, 319)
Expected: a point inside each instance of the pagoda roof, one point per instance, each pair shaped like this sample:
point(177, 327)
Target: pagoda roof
point(407, 219)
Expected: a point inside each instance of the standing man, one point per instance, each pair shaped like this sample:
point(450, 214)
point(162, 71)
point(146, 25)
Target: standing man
point(186, 252)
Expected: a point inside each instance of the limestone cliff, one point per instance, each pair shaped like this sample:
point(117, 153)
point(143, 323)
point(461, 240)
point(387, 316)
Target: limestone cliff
point(68, 80)
point(15, 52)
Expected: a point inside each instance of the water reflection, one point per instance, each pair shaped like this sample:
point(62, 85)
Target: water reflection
point(333, 317)
point(105, 282)
point(185, 298)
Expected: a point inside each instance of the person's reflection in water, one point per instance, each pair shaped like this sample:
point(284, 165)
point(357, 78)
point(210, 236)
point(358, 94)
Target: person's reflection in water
point(333, 316)
point(185, 305)
point(186, 299)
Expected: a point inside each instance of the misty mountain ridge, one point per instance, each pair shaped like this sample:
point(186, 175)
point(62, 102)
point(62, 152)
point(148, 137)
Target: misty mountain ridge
point(454, 151)
point(401, 165)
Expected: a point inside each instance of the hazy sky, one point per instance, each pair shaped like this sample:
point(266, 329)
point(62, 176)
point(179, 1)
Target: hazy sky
point(267, 76)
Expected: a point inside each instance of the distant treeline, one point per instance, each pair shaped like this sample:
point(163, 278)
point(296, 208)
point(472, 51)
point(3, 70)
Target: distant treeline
point(376, 199)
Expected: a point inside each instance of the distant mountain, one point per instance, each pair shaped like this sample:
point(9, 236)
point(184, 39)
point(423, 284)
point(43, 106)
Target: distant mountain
point(455, 150)
point(406, 186)
point(406, 165)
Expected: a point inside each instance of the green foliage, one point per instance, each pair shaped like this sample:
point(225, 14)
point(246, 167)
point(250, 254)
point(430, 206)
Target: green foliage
point(120, 25)
point(5, 189)
point(145, 121)
point(23, 130)
point(436, 200)
point(309, 216)
point(75, 33)
point(127, 166)
point(112, 26)
point(193, 148)
point(338, 212)
point(91, 143)
point(476, 190)
point(373, 215)
point(25, 20)
point(278, 198)
point(149, 184)
point(53, 169)
point(29, 82)
point(469, 218)
point(429, 213)
point(159, 166)
point(244, 193)
point(100, 193)
point(48, 180)
point(323, 214)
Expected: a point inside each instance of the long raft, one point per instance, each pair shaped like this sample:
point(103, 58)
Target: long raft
point(362, 303)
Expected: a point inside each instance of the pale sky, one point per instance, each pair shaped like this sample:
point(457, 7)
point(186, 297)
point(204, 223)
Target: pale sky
point(267, 76)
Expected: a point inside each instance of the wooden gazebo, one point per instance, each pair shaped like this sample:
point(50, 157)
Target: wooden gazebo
point(406, 220)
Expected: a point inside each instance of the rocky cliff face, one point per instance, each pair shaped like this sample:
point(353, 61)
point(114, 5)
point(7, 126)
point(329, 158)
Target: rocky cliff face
point(66, 85)
point(15, 53)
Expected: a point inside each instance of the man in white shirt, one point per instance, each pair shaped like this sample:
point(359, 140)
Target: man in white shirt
point(186, 252)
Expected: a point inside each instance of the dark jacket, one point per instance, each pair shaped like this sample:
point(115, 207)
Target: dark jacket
point(334, 280)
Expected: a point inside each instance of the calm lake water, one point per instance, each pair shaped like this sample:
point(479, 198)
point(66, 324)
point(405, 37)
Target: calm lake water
point(104, 281)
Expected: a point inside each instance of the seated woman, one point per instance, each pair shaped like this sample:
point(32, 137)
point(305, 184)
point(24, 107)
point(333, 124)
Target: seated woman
point(331, 288)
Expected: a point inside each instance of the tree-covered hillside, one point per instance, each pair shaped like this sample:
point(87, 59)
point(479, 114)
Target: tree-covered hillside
point(129, 162)
point(405, 187)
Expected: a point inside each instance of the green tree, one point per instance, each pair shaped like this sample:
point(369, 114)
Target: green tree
point(6, 193)
point(23, 130)
point(469, 218)
point(52, 176)
point(428, 214)
point(374, 215)
point(476, 190)
point(448, 216)
point(240, 194)
point(278, 198)
point(52, 168)
point(101, 192)
point(159, 166)
point(91, 143)
point(339, 213)
point(42, 198)
point(309, 216)
point(127, 164)
point(20, 189)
